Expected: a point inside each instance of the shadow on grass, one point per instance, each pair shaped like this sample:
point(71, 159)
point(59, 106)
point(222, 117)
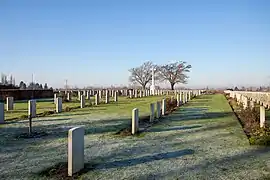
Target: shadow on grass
point(11, 143)
point(235, 163)
point(193, 115)
point(59, 170)
point(143, 159)
point(174, 128)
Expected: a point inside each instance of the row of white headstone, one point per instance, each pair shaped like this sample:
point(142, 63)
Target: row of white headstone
point(129, 93)
point(59, 102)
point(76, 135)
point(248, 100)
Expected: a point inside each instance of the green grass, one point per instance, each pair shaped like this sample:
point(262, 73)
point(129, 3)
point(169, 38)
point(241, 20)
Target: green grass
point(200, 140)
point(124, 106)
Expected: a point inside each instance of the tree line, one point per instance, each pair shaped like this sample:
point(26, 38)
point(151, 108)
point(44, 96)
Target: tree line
point(173, 73)
point(10, 81)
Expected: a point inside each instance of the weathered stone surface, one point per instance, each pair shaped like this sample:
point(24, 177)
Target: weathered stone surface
point(87, 95)
point(59, 105)
point(10, 103)
point(163, 106)
point(100, 94)
point(2, 113)
point(135, 93)
point(82, 101)
point(79, 95)
point(107, 97)
point(130, 94)
point(251, 104)
point(152, 112)
point(135, 121)
point(262, 116)
point(115, 96)
point(32, 108)
point(75, 150)
point(68, 96)
point(178, 100)
point(96, 99)
point(54, 98)
point(245, 102)
point(158, 107)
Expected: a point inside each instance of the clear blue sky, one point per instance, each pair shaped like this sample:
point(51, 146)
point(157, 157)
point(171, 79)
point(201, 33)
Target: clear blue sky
point(95, 42)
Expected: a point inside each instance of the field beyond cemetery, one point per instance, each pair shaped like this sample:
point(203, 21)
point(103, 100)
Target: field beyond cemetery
point(201, 140)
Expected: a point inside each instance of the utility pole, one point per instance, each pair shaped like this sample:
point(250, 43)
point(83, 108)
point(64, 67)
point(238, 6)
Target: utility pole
point(66, 84)
point(32, 86)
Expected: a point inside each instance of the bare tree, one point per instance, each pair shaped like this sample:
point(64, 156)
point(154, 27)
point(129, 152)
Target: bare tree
point(142, 74)
point(174, 73)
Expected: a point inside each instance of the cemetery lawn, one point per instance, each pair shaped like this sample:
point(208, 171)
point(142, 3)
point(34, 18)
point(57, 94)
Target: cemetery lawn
point(201, 140)
point(123, 106)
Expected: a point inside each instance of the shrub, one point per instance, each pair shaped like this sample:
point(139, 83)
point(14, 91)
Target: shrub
point(171, 104)
point(250, 121)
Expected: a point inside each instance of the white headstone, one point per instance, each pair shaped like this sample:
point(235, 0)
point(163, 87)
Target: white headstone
point(2, 113)
point(54, 98)
point(82, 101)
point(251, 104)
point(135, 121)
point(75, 150)
point(10, 103)
point(158, 110)
point(59, 105)
point(96, 99)
point(163, 106)
point(262, 116)
point(178, 99)
point(115, 96)
point(135, 93)
point(107, 97)
point(130, 94)
point(87, 95)
point(68, 96)
point(32, 108)
point(79, 95)
point(152, 112)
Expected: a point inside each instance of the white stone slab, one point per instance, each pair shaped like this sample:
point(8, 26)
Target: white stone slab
point(152, 112)
point(96, 99)
point(163, 106)
point(10, 103)
point(59, 105)
point(82, 101)
point(262, 116)
point(32, 108)
point(75, 150)
point(158, 107)
point(135, 121)
point(2, 113)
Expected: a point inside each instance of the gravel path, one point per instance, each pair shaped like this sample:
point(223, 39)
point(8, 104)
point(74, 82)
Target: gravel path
point(200, 141)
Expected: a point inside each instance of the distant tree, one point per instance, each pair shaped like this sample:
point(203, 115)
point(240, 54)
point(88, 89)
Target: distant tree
point(4, 80)
point(236, 88)
point(31, 85)
point(51, 88)
point(10, 79)
point(40, 86)
point(45, 86)
point(174, 73)
point(142, 74)
point(36, 86)
point(22, 85)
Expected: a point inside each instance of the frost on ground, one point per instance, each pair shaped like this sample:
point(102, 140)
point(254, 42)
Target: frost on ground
point(200, 141)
